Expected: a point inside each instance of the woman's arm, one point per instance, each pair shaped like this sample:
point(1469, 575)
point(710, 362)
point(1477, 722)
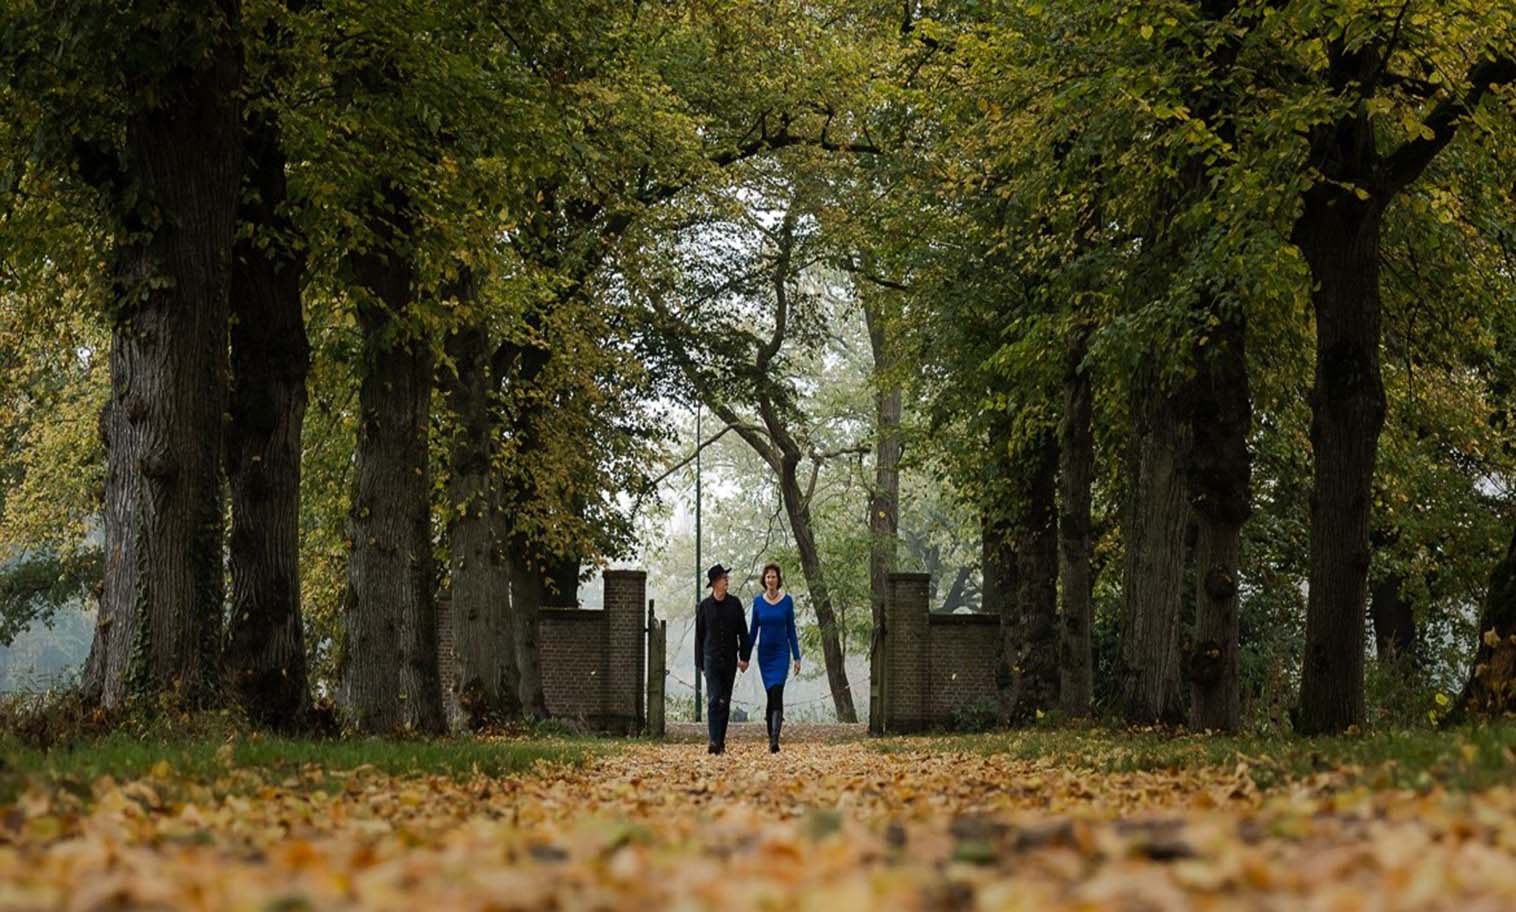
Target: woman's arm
point(752, 633)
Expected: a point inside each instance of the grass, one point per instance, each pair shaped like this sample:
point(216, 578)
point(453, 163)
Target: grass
point(1468, 758)
point(206, 759)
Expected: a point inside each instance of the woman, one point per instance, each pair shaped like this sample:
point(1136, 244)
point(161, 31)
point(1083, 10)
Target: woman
point(774, 633)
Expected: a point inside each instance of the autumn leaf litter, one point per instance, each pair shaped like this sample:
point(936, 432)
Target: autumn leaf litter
point(824, 825)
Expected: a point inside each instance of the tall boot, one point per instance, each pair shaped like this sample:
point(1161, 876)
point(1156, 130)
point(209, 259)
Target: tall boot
point(776, 721)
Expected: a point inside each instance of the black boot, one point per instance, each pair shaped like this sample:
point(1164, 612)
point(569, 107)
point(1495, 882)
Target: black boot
point(776, 721)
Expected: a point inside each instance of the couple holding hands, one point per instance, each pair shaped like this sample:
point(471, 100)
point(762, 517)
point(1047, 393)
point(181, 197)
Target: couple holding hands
point(724, 640)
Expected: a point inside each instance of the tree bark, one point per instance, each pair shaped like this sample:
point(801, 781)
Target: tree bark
point(1153, 573)
point(1218, 473)
point(1076, 455)
point(1394, 620)
point(1339, 237)
point(478, 532)
point(525, 365)
point(390, 674)
point(561, 582)
point(265, 645)
point(161, 603)
point(884, 500)
point(999, 567)
point(527, 595)
point(1035, 674)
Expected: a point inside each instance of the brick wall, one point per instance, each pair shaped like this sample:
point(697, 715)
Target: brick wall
point(960, 664)
point(593, 661)
point(935, 663)
point(572, 644)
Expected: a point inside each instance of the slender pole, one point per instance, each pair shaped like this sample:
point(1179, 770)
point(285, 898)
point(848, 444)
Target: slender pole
point(698, 563)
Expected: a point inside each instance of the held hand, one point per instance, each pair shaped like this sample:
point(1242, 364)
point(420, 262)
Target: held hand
point(797, 666)
point(742, 665)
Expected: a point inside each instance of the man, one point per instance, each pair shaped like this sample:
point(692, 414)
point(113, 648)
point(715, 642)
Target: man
point(723, 644)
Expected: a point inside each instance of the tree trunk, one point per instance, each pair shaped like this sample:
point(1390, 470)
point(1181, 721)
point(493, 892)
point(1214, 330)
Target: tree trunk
point(1218, 415)
point(1339, 236)
point(884, 500)
point(1490, 692)
point(1394, 620)
point(390, 674)
point(1153, 575)
point(478, 531)
point(161, 603)
point(1035, 671)
point(265, 645)
point(526, 602)
point(1076, 454)
point(997, 560)
point(525, 365)
point(799, 513)
point(561, 582)
point(957, 594)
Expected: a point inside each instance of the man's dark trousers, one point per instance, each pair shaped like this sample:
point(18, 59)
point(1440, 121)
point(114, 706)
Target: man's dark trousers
point(718, 687)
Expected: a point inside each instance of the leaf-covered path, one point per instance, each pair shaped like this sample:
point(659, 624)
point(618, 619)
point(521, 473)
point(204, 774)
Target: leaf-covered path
point(827, 824)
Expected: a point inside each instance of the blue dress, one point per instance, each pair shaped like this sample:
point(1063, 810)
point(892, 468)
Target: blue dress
point(774, 633)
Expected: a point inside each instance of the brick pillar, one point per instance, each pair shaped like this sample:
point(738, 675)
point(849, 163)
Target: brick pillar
point(906, 609)
point(625, 601)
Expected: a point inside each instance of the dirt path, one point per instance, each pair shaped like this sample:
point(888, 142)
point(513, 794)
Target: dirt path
point(827, 824)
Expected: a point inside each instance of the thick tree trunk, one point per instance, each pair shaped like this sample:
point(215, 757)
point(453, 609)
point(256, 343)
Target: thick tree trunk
point(1490, 692)
point(265, 645)
point(884, 500)
point(1035, 670)
point(1153, 574)
point(1339, 236)
point(161, 604)
point(1218, 413)
point(1076, 456)
point(390, 675)
point(478, 531)
point(799, 513)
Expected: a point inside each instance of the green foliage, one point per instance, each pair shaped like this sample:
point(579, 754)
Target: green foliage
point(35, 586)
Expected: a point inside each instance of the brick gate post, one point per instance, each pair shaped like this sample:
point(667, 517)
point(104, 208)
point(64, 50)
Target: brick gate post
point(625, 596)
point(905, 697)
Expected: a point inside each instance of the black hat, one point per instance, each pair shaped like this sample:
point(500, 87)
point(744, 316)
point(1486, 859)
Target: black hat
point(713, 574)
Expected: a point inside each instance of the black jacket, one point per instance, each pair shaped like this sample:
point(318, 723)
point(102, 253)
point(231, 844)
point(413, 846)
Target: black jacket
point(721, 634)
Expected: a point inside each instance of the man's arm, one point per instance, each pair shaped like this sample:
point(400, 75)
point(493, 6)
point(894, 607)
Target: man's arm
point(699, 640)
point(744, 639)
